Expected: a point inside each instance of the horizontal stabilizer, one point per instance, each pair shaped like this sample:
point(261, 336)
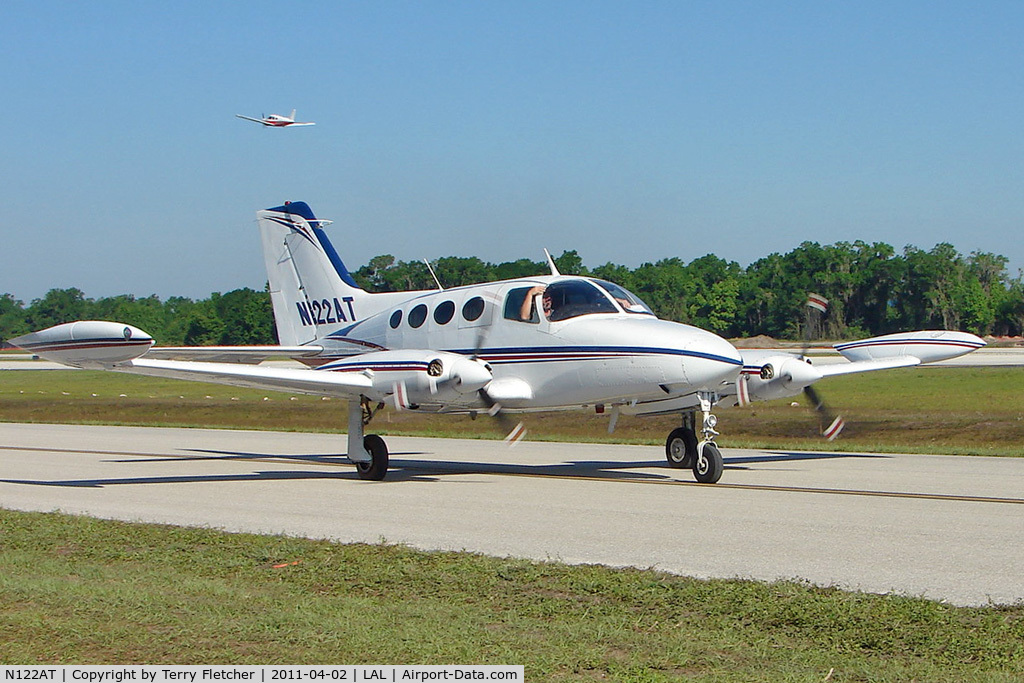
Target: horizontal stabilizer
point(233, 354)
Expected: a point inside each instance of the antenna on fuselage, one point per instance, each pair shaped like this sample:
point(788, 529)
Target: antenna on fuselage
point(434, 275)
point(551, 263)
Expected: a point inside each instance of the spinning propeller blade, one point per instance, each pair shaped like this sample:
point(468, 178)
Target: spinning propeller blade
point(514, 432)
point(831, 424)
point(401, 394)
point(816, 307)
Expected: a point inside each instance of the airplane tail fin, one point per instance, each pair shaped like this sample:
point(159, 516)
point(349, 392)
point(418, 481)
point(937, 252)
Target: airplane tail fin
point(293, 114)
point(312, 291)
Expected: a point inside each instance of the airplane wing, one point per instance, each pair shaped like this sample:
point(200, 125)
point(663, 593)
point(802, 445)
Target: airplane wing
point(410, 376)
point(233, 354)
point(249, 118)
point(769, 375)
point(407, 376)
point(298, 380)
point(833, 369)
point(901, 350)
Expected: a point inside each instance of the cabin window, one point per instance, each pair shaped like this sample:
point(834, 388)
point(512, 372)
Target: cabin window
point(473, 309)
point(444, 312)
point(396, 319)
point(417, 315)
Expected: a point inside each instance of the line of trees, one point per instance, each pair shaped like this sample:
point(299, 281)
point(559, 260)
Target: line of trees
point(242, 316)
point(872, 290)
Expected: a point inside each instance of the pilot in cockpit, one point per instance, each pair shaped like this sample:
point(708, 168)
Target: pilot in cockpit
point(526, 312)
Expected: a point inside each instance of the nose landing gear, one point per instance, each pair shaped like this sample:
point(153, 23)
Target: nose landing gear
point(683, 451)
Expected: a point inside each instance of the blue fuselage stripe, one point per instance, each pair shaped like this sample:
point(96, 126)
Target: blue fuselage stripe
point(535, 354)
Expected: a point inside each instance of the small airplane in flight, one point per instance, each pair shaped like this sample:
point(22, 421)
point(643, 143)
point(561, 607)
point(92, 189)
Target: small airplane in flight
point(549, 342)
point(277, 121)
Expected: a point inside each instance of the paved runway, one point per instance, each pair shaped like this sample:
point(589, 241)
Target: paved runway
point(949, 528)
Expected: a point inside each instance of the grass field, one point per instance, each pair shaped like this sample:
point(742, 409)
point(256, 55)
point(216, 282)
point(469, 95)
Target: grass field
point(80, 590)
point(977, 411)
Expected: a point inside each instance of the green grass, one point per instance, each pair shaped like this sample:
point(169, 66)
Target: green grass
point(81, 590)
point(972, 411)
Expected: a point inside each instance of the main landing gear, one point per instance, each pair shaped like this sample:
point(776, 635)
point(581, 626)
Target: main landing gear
point(367, 451)
point(683, 451)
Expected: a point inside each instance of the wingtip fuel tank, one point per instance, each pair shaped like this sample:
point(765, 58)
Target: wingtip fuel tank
point(87, 343)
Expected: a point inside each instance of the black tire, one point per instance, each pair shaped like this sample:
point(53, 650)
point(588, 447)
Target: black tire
point(708, 466)
point(681, 448)
point(377, 468)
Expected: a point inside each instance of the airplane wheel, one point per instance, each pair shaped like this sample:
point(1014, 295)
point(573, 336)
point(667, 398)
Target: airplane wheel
point(708, 466)
point(681, 448)
point(377, 468)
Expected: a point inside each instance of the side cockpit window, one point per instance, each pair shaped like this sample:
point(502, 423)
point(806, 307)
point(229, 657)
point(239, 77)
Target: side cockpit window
point(519, 305)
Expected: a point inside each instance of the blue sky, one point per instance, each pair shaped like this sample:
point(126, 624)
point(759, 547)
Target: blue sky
point(630, 132)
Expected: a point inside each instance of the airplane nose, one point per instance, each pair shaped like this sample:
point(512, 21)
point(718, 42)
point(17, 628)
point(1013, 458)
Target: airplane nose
point(714, 362)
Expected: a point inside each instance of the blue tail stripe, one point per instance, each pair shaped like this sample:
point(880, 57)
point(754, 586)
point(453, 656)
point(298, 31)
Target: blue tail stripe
point(343, 273)
point(302, 209)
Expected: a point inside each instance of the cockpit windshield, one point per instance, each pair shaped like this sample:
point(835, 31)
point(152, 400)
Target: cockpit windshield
point(630, 302)
point(564, 299)
point(570, 298)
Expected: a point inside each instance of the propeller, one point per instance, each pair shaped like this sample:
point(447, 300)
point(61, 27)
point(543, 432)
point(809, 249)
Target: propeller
point(831, 424)
point(514, 431)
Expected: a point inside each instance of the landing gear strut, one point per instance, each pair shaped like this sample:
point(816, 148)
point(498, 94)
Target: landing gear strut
point(683, 451)
point(367, 451)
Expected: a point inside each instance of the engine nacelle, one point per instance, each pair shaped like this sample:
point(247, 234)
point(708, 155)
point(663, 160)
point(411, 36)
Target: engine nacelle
point(412, 376)
point(87, 343)
point(779, 376)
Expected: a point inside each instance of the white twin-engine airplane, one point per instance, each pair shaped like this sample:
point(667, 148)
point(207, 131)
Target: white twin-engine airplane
point(550, 342)
point(277, 120)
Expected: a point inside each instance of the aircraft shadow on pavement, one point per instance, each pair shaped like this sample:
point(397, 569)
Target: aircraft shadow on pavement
point(408, 469)
point(403, 469)
point(580, 468)
point(795, 456)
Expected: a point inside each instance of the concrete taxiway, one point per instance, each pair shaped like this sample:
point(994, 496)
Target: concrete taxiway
point(945, 527)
